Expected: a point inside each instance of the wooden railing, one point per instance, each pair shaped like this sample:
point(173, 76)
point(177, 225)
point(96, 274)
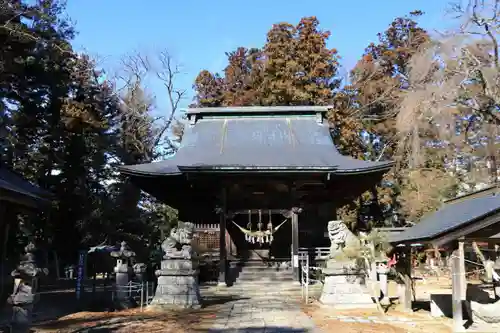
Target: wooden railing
point(207, 227)
point(317, 253)
point(213, 228)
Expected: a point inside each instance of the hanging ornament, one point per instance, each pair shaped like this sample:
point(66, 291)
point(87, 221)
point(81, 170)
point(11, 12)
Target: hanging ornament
point(269, 237)
point(249, 226)
point(259, 236)
point(260, 239)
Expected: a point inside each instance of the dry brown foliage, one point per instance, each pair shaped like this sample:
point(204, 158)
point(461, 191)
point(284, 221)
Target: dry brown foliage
point(423, 191)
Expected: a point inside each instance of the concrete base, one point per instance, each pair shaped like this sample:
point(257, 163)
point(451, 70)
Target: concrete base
point(345, 288)
point(385, 301)
point(488, 313)
point(441, 306)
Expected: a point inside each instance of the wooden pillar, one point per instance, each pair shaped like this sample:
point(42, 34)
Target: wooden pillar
point(295, 242)
point(222, 240)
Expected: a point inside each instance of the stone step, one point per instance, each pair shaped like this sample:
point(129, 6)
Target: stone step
point(262, 286)
point(266, 271)
point(259, 263)
point(264, 278)
point(237, 290)
point(254, 288)
point(266, 268)
point(262, 294)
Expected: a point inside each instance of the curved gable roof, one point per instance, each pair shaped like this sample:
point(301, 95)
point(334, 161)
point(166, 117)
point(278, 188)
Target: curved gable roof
point(258, 139)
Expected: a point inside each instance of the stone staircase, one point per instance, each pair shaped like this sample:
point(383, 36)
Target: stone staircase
point(251, 271)
point(255, 279)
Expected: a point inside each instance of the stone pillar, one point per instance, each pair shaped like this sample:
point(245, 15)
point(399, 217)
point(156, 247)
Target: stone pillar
point(404, 268)
point(382, 271)
point(178, 277)
point(457, 294)
point(123, 271)
point(23, 297)
point(463, 282)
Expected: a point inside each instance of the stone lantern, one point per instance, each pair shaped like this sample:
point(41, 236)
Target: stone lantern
point(139, 271)
point(123, 271)
point(24, 295)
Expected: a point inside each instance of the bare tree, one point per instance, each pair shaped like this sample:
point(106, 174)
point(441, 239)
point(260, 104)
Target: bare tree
point(141, 130)
point(481, 19)
point(452, 82)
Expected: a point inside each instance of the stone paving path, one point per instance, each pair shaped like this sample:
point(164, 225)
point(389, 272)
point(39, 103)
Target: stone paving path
point(379, 320)
point(263, 315)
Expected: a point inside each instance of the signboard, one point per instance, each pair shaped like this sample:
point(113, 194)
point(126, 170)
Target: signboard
point(295, 261)
point(80, 273)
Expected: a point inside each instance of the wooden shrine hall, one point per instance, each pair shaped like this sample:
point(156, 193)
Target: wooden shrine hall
point(256, 168)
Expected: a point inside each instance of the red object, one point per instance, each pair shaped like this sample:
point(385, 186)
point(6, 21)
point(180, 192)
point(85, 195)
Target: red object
point(393, 261)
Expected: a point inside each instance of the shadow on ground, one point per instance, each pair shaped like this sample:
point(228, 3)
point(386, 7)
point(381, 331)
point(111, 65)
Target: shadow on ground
point(149, 320)
point(277, 329)
point(273, 329)
point(219, 300)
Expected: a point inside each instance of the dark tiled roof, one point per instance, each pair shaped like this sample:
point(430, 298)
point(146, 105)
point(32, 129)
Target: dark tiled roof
point(281, 142)
point(11, 181)
point(450, 217)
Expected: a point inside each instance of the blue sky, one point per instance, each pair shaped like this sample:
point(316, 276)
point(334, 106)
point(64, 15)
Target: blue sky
point(198, 32)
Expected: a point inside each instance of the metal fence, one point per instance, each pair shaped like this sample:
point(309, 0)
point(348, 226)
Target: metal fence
point(309, 275)
point(140, 292)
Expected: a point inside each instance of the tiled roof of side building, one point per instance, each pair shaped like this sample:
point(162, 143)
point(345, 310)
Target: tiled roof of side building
point(450, 217)
point(13, 182)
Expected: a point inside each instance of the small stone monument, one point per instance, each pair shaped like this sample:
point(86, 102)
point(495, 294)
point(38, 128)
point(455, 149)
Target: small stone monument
point(178, 277)
point(383, 271)
point(140, 271)
point(69, 271)
point(23, 297)
point(123, 272)
point(345, 284)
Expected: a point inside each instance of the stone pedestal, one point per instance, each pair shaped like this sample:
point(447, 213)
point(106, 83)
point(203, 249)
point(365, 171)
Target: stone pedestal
point(177, 284)
point(22, 306)
point(345, 286)
point(22, 317)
